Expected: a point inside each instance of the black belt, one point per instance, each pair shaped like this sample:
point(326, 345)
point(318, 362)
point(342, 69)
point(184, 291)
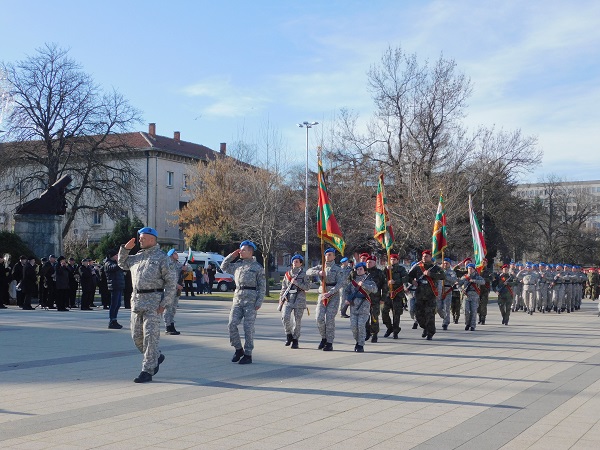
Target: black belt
point(148, 291)
point(330, 284)
point(250, 288)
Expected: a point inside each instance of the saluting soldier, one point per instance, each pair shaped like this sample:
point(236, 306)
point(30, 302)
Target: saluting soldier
point(558, 288)
point(248, 297)
point(153, 287)
point(328, 302)
point(358, 294)
point(378, 277)
point(471, 284)
point(292, 299)
point(396, 297)
point(425, 275)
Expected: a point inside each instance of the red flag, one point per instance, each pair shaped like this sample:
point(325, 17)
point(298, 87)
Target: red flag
point(327, 226)
point(383, 229)
point(438, 238)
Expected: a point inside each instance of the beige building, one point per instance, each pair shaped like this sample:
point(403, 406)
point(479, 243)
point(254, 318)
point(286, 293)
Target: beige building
point(164, 164)
point(575, 190)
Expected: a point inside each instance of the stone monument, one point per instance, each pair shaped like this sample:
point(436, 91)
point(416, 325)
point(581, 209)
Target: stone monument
point(39, 221)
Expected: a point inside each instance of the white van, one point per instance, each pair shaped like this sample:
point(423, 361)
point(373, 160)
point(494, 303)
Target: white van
point(223, 281)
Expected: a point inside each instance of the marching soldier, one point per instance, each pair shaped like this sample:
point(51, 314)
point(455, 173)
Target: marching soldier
point(558, 288)
point(329, 301)
point(248, 297)
point(292, 299)
point(358, 294)
point(424, 275)
point(471, 284)
point(529, 280)
point(545, 278)
point(346, 265)
point(153, 287)
point(396, 297)
point(378, 277)
point(488, 275)
point(171, 308)
point(593, 280)
point(503, 284)
point(446, 293)
point(518, 288)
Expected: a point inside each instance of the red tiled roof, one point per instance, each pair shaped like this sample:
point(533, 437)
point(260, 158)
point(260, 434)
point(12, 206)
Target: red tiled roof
point(142, 140)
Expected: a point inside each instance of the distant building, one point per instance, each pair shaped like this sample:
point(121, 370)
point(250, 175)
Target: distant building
point(590, 190)
point(164, 165)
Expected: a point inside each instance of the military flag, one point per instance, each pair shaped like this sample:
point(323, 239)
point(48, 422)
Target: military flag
point(383, 229)
point(438, 238)
point(479, 249)
point(327, 226)
point(190, 255)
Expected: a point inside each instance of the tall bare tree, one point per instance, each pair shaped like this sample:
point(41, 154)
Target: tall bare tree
point(61, 122)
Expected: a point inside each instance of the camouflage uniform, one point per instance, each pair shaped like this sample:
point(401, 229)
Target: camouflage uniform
point(335, 280)
point(359, 306)
point(425, 295)
point(470, 285)
point(518, 288)
point(445, 297)
point(296, 300)
point(529, 279)
point(545, 278)
point(488, 275)
point(395, 304)
point(504, 284)
point(581, 280)
point(569, 288)
point(456, 305)
point(171, 308)
point(558, 289)
point(378, 277)
point(154, 285)
point(249, 294)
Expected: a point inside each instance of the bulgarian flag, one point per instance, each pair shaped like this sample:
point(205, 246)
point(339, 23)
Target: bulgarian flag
point(327, 226)
point(383, 229)
point(479, 250)
point(190, 256)
point(438, 238)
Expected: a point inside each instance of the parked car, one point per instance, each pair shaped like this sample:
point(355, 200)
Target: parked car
point(223, 281)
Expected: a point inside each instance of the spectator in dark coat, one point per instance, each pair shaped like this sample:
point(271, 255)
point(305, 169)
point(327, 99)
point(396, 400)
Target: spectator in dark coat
point(62, 284)
point(88, 284)
point(73, 283)
point(17, 275)
point(29, 282)
point(115, 277)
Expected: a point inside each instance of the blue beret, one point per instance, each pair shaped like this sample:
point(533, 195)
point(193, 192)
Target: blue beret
point(344, 259)
point(360, 264)
point(297, 257)
point(330, 249)
point(447, 260)
point(248, 243)
point(471, 265)
point(170, 252)
point(148, 230)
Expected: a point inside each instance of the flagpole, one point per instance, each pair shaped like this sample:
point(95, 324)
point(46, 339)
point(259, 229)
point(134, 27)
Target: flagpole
point(323, 278)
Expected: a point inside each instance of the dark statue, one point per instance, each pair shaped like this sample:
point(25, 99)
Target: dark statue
point(51, 202)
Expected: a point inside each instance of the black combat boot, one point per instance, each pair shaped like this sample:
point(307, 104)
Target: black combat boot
point(374, 338)
point(429, 337)
point(322, 344)
point(424, 334)
point(161, 358)
point(467, 328)
point(294, 343)
point(415, 325)
point(288, 340)
point(239, 352)
point(114, 325)
point(395, 335)
point(172, 331)
point(388, 332)
point(360, 349)
point(143, 377)
point(246, 359)
point(444, 327)
point(328, 347)
point(483, 319)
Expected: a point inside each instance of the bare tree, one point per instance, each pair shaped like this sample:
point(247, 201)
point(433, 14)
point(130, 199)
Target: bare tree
point(60, 122)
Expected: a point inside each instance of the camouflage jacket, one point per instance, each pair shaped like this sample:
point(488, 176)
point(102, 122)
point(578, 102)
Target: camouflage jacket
point(150, 269)
point(399, 277)
point(335, 278)
point(247, 273)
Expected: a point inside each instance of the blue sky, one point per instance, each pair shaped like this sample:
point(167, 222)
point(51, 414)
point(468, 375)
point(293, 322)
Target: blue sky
point(220, 71)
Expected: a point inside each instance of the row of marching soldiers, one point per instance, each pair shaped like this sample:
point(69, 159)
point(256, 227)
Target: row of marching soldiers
point(364, 292)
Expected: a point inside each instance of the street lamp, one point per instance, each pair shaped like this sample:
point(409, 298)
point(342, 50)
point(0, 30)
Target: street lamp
point(306, 125)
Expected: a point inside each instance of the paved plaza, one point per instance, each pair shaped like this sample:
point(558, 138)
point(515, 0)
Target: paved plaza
point(66, 382)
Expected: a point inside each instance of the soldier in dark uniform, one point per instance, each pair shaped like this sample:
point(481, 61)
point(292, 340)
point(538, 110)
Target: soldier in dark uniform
point(49, 275)
point(503, 284)
point(396, 297)
point(73, 283)
point(29, 282)
point(488, 276)
point(379, 278)
point(460, 270)
point(17, 275)
point(425, 275)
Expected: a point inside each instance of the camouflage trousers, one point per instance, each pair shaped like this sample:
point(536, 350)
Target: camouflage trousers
point(359, 314)
point(471, 304)
point(443, 308)
point(425, 312)
point(396, 307)
point(170, 310)
point(529, 296)
point(558, 295)
point(484, 298)
point(455, 306)
point(504, 304)
point(518, 297)
point(291, 316)
point(372, 322)
point(145, 332)
point(244, 310)
point(542, 293)
point(326, 317)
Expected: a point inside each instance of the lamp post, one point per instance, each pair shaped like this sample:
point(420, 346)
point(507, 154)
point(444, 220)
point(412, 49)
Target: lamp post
point(306, 125)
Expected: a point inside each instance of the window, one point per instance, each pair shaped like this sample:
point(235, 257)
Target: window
point(186, 179)
point(170, 179)
point(96, 218)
